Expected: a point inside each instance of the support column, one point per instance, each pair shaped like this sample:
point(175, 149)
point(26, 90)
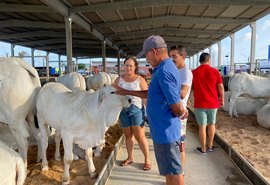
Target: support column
point(210, 53)
point(32, 56)
point(118, 62)
point(197, 63)
point(59, 64)
point(232, 52)
point(47, 67)
point(12, 50)
point(253, 46)
point(76, 65)
point(68, 24)
point(103, 45)
point(219, 54)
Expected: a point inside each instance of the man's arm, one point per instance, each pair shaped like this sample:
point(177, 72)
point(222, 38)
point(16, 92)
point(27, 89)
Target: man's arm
point(184, 91)
point(221, 94)
point(121, 91)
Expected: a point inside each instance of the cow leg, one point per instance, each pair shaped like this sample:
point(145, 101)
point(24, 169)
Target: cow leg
point(233, 97)
point(37, 135)
point(98, 150)
point(43, 142)
point(68, 156)
point(89, 159)
point(57, 138)
point(21, 135)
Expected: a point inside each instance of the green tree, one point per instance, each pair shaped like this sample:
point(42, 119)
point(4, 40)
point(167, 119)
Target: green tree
point(81, 66)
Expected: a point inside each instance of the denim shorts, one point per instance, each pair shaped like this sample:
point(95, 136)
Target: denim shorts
point(205, 116)
point(132, 116)
point(168, 158)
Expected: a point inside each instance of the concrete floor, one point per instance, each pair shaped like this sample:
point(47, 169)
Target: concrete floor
point(214, 169)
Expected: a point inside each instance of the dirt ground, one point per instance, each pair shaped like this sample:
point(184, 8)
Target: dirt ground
point(78, 171)
point(247, 137)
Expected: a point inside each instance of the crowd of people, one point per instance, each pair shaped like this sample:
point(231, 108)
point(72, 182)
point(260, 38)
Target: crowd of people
point(165, 104)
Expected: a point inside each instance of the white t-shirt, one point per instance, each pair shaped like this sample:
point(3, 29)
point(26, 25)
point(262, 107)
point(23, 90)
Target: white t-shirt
point(186, 79)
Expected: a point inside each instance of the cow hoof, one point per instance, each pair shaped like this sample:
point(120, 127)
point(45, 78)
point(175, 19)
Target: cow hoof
point(93, 175)
point(45, 168)
point(75, 157)
point(97, 154)
point(57, 158)
point(65, 182)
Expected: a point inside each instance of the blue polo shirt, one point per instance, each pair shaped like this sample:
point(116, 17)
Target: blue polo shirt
point(162, 92)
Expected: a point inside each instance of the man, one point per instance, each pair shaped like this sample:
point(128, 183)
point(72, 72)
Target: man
point(208, 97)
point(178, 54)
point(164, 108)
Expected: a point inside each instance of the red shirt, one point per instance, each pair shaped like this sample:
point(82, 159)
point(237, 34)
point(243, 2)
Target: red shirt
point(205, 86)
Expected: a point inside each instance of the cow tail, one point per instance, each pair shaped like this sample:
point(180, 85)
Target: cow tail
point(21, 171)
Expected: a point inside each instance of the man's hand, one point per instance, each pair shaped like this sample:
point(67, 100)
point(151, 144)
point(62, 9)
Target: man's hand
point(119, 90)
point(185, 115)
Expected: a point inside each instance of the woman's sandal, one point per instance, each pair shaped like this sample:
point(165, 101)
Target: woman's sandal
point(126, 162)
point(147, 166)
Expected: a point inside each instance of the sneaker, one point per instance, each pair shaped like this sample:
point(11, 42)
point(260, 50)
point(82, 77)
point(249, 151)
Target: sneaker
point(211, 149)
point(199, 149)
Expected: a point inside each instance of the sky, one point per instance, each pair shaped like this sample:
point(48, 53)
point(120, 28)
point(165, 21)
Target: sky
point(242, 47)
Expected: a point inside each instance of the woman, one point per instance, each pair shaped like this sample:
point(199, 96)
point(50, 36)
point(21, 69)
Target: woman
point(132, 118)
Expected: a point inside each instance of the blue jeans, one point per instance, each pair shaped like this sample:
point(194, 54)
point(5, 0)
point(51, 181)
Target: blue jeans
point(132, 116)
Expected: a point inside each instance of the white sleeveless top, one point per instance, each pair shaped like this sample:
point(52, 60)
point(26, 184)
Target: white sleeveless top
point(133, 86)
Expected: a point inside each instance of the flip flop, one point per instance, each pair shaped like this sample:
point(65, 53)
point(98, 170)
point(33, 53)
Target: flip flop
point(147, 166)
point(126, 162)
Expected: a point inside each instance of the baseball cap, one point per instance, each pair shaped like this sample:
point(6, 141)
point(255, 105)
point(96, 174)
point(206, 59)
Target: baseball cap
point(154, 41)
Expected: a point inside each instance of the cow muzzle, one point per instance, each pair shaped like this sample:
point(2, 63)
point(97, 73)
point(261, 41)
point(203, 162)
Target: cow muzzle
point(129, 100)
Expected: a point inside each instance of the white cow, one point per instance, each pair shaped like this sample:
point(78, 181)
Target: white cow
point(246, 84)
point(82, 118)
point(12, 168)
point(73, 81)
point(263, 116)
point(19, 86)
point(244, 105)
point(113, 77)
point(98, 80)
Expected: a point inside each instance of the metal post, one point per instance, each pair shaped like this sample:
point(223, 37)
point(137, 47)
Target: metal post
point(68, 23)
point(47, 67)
point(103, 45)
point(219, 54)
point(59, 64)
point(32, 56)
point(253, 46)
point(12, 50)
point(210, 53)
point(118, 62)
point(232, 52)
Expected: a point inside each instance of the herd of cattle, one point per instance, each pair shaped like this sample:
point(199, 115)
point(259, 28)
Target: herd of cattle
point(79, 117)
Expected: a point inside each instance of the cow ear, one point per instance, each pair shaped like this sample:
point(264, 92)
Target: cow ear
point(100, 96)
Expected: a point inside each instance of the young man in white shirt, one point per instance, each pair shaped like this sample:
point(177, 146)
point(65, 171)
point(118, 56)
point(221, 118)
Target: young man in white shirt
point(178, 54)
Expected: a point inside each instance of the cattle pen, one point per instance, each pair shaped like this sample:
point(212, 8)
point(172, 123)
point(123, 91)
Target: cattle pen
point(69, 34)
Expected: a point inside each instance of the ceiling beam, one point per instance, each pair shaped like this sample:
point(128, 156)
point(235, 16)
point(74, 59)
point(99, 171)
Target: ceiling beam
point(63, 10)
point(171, 39)
point(58, 41)
point(164, 31)
point(131, 4)
point(24, 8)
point(31, 34)
point(173, 19)
point(30, 24)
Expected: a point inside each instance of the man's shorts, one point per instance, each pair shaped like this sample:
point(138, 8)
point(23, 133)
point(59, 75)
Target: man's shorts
point(205, 116)
point(132, 116)
point(168, 158)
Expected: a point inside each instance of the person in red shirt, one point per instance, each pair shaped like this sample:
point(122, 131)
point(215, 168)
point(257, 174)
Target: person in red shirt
point(208, 92)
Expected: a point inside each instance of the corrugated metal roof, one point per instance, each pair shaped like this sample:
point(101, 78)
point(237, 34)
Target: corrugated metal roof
point(124, 24)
